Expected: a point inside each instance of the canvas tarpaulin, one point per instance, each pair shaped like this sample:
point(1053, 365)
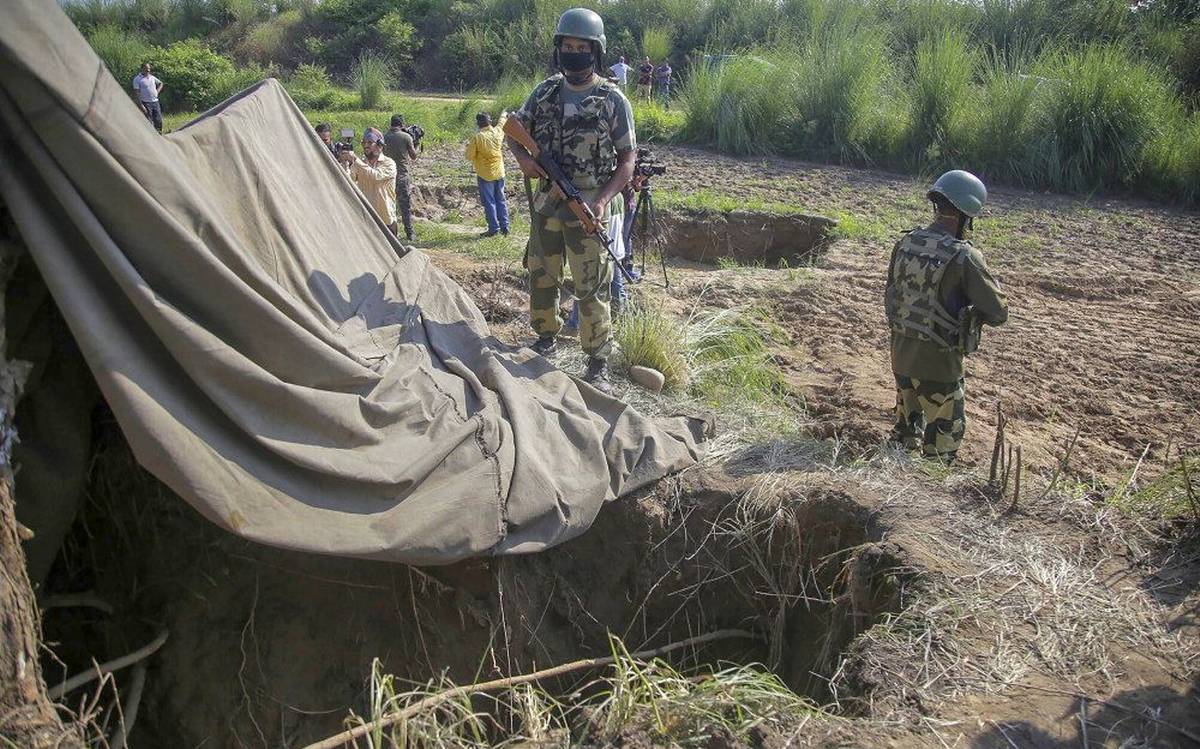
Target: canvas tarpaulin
point(271, 352)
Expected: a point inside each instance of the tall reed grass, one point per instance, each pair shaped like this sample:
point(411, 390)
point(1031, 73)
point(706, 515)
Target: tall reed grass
point(372, 75)
point(1077, 118)
point(123, 52)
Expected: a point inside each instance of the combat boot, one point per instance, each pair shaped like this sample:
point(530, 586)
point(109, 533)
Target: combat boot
point(596, 375)
point(545, 345)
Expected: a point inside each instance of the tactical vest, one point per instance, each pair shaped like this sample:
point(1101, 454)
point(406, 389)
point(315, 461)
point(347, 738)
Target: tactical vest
point(913, 306)
point(580, 140)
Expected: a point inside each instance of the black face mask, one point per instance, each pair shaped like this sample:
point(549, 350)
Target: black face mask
point(576, 66)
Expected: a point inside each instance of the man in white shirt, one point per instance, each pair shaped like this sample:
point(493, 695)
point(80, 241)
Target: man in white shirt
point(147, 88)
point(621, 72)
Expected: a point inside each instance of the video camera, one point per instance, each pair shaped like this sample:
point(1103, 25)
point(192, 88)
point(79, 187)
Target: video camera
point(346, 143)
point(416, 132)
point(647, 164)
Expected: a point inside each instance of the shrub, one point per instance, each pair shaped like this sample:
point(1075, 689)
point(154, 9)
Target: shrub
point(399, 37)
point(1003, 122)
point(651, 337)
point(194, 75)
point(656, 43)
point(226, 84)
point(739, 104)
point(1104, 107)
point(121, 51)
point(1173, 160)
point(655, 124)
point(940, 91)
point(310, 87)
point(842, 94)
point(372, 75)
point(268, 42)
point(244, 11)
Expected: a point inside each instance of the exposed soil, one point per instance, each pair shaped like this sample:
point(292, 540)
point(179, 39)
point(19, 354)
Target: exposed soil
point(927, 612)
point(746, 237)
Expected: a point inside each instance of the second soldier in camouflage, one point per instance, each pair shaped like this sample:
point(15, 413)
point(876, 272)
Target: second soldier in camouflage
point(938, 284)
point(586, 124)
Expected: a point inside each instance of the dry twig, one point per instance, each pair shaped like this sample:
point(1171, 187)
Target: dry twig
point(116, 664)
point(489, 686)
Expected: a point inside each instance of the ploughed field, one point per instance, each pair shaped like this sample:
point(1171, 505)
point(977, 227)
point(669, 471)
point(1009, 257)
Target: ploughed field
point(1104, 297)
point(1053, 597)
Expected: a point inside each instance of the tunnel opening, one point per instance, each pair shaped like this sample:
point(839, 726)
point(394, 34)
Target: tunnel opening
point(272, 644)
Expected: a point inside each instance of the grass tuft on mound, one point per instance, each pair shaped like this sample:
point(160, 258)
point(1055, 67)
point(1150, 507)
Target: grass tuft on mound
point(633, 696)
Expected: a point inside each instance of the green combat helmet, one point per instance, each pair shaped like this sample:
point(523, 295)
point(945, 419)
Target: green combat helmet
point(581, 23)
point(964, 190)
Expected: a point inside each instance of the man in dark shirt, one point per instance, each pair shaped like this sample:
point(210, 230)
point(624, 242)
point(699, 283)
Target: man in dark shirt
point(325, 133)
point(398, 146)
point(645, 79)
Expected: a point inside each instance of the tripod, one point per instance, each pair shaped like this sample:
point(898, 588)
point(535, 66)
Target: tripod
point(645, 210)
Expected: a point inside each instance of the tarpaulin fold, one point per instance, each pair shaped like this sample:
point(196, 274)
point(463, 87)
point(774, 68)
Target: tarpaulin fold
point(271, 351)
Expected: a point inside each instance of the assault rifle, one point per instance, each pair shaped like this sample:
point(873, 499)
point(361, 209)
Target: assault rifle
point(591, 225)
point(970, 330)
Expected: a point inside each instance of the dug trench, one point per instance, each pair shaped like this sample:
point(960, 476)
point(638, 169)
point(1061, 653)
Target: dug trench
point(269, 647)
point(702, 235)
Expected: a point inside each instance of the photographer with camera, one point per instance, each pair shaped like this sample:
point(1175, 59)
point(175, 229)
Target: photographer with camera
point(325, 133)
point(400, 146)
point(375, 176)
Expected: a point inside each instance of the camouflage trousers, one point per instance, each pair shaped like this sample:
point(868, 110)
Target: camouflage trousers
point(930, 416)
point(555, 243)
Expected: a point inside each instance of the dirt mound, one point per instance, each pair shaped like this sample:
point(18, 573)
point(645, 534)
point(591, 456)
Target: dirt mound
point(746, 237)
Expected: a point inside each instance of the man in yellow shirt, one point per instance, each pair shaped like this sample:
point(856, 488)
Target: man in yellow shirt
point(484, 150)
point(375, 176)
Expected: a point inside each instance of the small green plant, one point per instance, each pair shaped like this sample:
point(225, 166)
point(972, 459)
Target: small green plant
point(651, 337)
point(656, 43)
point(310, 87)
point(654, 123)
point(196, 77)
point(1172, 495)
point(372, 75)
point(122, 52)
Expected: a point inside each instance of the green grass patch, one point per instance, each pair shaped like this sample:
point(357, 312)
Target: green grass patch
point(651, 337)
point(730, 361)
point(707, 200)
point(436, 236)
point(721, 357)
point(1173, 495)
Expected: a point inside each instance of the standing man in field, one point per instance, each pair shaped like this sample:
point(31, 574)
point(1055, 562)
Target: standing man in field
point(584, 123)
point(662, 82)
point(375, 176)
point(939, 292)
point(398, 147)
point(485, 151)
point(645, 79)
point(621, 72)
point(147, 88)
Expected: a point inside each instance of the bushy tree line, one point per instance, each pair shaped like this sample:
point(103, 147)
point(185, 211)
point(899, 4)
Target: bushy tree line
point(1067, 94)
point(465, 43)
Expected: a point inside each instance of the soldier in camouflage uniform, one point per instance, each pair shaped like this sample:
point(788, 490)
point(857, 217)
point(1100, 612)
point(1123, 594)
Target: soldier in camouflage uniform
point(586, 124)
point(939, 291)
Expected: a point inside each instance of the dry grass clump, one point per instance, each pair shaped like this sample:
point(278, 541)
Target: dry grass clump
point(1031, 605)
point(634, 697)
